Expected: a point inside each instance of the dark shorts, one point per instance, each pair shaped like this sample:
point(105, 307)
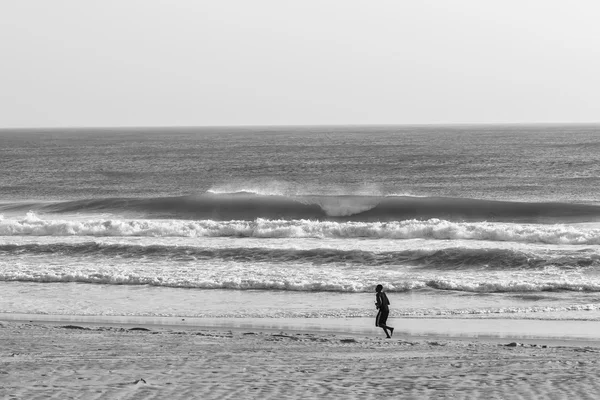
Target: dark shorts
point(382, 317)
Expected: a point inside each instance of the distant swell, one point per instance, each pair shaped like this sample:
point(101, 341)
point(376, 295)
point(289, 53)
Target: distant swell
point(446, 259)
point(32, 225)
point(247, 206)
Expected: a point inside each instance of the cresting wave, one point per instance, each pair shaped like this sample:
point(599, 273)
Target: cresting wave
point(446, 259)
point(249, 206)
point(32, 225)
point(282, 283)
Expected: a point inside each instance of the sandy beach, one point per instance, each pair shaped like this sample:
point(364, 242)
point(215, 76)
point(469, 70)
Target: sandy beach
point(57, 360)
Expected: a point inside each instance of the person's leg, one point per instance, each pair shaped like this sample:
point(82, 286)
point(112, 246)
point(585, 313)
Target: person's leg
point(385, 329)
point(383, 323)
point(387, 335)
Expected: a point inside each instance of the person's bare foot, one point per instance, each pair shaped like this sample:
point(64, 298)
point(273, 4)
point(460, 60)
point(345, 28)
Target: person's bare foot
point(391, 332)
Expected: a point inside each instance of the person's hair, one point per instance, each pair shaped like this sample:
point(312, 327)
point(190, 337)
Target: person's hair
point(379, 288)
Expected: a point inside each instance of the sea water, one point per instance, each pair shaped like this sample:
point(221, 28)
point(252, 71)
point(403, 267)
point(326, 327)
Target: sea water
point(302, 222)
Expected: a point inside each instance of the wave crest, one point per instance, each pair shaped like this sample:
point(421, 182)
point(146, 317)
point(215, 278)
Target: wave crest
point(249, 206)
point(32, 225)
point(285, 284)
point(456, 258)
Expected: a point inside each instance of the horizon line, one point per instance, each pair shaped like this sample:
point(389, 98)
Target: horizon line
point(293, 125)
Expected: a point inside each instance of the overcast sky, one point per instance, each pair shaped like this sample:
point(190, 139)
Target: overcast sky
point(271, 62)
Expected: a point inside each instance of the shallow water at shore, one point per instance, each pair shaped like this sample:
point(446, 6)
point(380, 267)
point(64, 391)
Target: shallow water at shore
point(78, 299)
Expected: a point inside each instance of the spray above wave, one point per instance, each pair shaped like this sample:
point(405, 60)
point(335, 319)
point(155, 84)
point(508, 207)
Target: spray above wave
point(32, 225)
point(444, 260)
point(284, 188)
point(249, 206)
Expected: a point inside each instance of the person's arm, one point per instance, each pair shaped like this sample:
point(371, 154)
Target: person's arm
point(378, 300)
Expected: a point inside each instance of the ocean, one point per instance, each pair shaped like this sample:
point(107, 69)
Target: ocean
point(460, 221)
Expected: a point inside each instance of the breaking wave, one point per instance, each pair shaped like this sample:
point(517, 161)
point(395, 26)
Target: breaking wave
point(250, 206)
point(32, 225)
point(446, 259)
point(283, 283)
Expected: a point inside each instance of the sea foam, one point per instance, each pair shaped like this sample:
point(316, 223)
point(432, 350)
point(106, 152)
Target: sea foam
point(32, 225)
point(447, 259)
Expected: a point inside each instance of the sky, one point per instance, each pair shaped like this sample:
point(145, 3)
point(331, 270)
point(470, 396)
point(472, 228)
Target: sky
point(72, 63)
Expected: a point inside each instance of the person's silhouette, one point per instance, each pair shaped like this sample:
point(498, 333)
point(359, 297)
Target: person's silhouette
point(382, 303)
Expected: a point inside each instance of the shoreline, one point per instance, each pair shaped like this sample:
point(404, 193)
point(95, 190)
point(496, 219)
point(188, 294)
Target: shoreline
point(572, 333)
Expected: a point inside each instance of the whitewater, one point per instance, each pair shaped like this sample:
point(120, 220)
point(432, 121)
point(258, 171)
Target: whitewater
point(304, 222)
point(31, 224)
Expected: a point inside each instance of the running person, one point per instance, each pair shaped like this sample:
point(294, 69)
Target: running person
point(382, 303)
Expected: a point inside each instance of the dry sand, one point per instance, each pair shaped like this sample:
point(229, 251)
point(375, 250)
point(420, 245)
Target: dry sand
point(74, 361)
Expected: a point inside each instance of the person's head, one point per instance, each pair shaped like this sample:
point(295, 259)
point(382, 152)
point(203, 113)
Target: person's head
point(379, 288)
